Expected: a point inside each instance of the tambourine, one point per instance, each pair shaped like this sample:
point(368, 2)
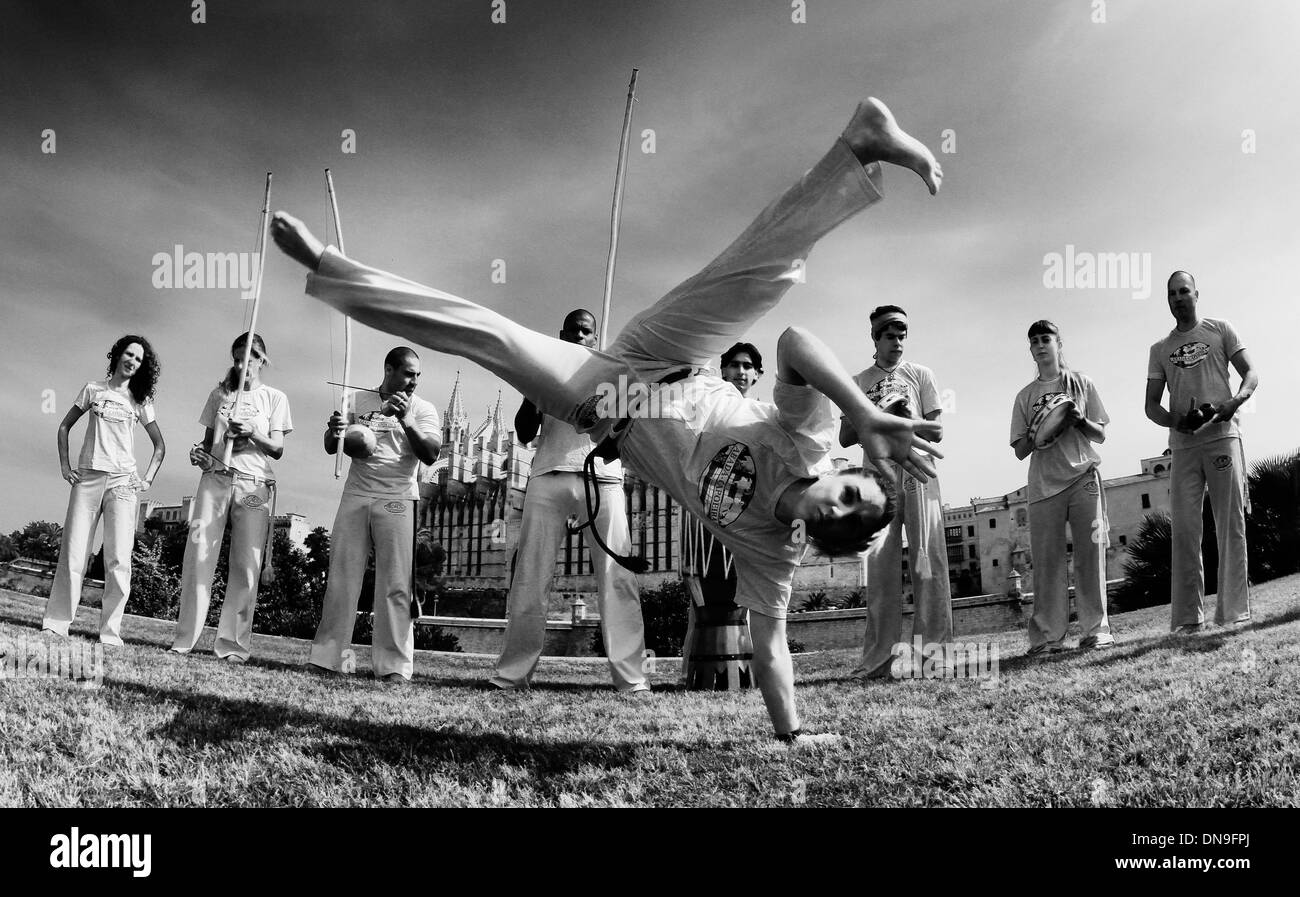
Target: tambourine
point(895, 402)
point(1051, 421)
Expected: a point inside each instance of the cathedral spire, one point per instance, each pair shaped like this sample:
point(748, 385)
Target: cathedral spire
point(456, 416)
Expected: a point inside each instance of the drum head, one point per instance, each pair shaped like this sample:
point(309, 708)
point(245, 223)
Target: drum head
point(1052, 422)
point(895, 403)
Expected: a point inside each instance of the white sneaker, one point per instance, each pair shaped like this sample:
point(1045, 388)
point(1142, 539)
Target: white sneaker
point(1096, 642)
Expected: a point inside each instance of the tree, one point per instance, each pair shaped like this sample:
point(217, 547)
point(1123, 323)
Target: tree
point(429, 558)
point(1273, 527)
point(290, 604)
point(317, 544)
point(1147, 572)
point(666, 611)
point(40, 540)
point(155, 587)
point(8, 547)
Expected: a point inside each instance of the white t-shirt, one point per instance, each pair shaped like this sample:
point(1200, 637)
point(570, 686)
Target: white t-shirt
point(1053, 469)
point(727, 459)
point(1195, 366)
point(561, 447)
point(913, 380)
point(110, 429)
point(264, 409)
point(391, 471)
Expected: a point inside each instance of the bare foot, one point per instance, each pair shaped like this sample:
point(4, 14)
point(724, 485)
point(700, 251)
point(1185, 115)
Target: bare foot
point(874, 136)
point(296, 241)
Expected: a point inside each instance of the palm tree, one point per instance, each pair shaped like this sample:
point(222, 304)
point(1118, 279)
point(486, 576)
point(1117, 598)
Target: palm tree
point(1272, 537)
point(1273, 527)
point(1147, 572)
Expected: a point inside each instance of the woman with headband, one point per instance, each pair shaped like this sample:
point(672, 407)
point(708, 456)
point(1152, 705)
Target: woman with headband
point(255, 422)
point(104, 484)
point(1054, 422)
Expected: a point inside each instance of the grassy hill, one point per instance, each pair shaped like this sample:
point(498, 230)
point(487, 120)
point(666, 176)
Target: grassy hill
point(1205, 720)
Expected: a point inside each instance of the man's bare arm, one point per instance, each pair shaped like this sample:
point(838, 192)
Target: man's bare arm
point(1156, 412)
point(803, 359)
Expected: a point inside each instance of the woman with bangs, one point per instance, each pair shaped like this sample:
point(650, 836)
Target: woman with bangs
point(255, 423)
point(1064, 487)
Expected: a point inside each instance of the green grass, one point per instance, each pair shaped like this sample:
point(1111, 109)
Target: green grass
point(1204, 720)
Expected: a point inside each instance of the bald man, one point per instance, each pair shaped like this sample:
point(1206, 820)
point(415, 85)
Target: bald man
point(556, 493)
point(378, 508)
point(1192, 361)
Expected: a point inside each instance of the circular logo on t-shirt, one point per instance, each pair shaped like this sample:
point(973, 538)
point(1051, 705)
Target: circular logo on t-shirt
point(586, 417)
point(379, 423)
point(1189, 355)
point(727, 483)
point(111, 412)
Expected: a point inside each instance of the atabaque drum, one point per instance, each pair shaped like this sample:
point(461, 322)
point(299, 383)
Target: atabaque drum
point(718, 651)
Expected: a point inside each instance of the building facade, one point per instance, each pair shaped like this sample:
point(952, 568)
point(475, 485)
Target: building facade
point(991, 535)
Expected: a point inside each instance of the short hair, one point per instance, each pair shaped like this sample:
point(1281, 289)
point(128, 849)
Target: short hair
point(258, 343)
point(396, 357)
point(231, 381)
point(748, 348)
point(854, 534)
point(1186, 274)
point(572, 317)
point(879, 311)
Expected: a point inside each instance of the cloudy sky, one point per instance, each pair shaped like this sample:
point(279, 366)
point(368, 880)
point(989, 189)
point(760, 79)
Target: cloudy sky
point(478, 141)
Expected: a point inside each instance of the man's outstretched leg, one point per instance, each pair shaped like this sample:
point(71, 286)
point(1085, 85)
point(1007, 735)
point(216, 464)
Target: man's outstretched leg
point(557, 376)
point(703, 316)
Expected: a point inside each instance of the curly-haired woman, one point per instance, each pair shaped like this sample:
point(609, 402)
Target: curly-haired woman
point(104, 483)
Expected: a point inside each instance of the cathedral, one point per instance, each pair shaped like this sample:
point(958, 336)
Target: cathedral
point(472, 500)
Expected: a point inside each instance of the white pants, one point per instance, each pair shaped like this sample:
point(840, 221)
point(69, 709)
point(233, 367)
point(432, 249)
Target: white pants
point(1219, 467)
point(551, 498)
point(920, 511)
point(113, 497)
point(1083, 506)
point(387, 524)
point(690, 326)
point(248, 506)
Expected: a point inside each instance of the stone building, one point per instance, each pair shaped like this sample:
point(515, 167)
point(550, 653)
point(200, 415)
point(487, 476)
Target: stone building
point(991, 535)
